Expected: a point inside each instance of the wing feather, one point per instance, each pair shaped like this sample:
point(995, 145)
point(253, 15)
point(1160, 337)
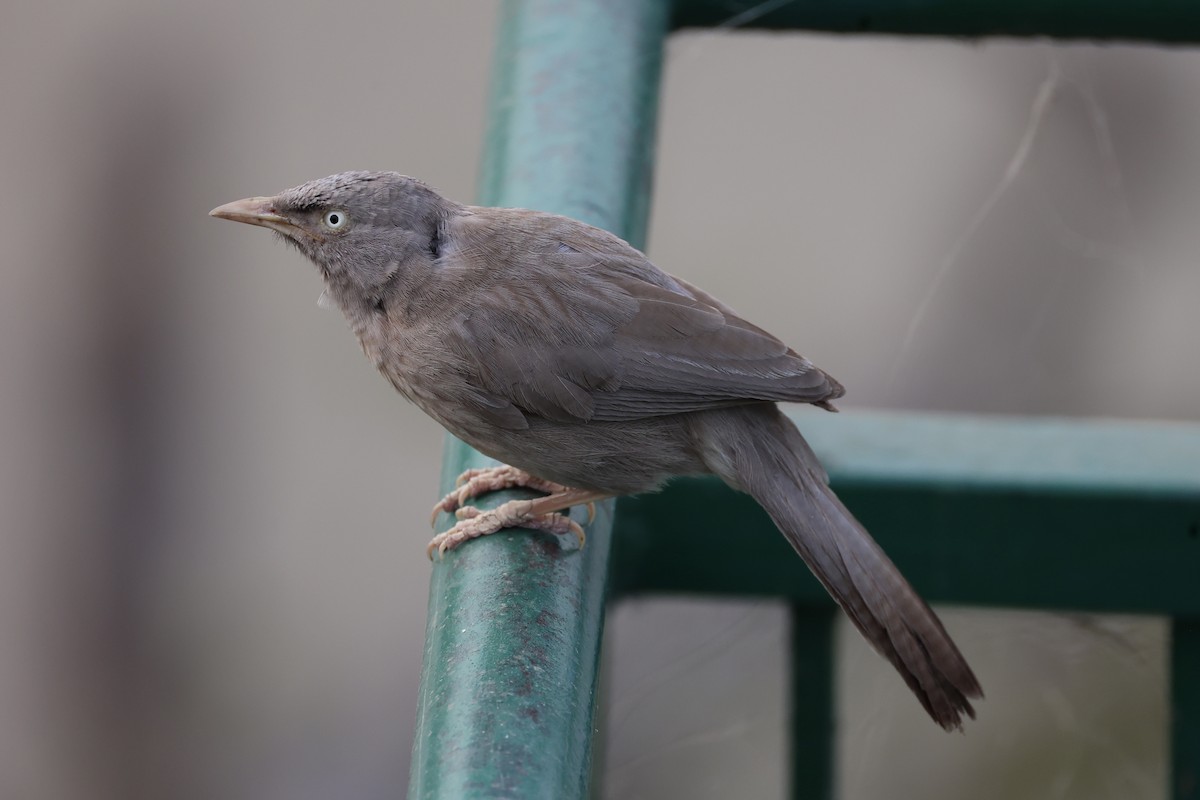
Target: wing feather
point(599, 333)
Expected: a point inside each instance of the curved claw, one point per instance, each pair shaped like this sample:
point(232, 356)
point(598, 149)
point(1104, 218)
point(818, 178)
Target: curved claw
point(447, 504)
point(467, 475)
point(577, 529)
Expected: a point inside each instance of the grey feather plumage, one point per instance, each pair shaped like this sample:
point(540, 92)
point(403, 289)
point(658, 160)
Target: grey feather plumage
point(558, 348)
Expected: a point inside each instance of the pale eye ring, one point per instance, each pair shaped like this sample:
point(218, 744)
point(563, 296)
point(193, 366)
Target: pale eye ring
point(335, 219)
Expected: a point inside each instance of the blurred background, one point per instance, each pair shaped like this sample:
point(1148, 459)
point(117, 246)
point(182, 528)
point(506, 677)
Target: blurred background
point(212, 510)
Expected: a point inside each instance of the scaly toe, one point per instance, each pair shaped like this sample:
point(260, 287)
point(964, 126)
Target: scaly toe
point(466, 512)
point(467, 475)
point(557, 524)
point(475, 482)
point(473, 523)
point(466, 486)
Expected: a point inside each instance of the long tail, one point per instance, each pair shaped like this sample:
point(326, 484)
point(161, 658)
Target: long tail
point(758, 450)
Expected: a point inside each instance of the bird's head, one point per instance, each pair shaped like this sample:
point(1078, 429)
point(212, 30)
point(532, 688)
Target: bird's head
point(359, 228)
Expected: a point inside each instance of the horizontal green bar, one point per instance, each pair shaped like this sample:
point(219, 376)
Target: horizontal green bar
point(1055, 514)
point(1044, 454)
point(1157, 20)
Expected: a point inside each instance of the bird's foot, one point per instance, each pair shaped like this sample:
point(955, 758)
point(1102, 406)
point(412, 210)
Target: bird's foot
point(475, 482)
point(473, 523)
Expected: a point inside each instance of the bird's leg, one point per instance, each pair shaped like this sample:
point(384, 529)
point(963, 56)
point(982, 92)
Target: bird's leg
point(539, 513)
point(475, 482)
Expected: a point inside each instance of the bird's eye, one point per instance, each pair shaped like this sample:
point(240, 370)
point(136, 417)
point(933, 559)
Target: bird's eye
point(335, 220)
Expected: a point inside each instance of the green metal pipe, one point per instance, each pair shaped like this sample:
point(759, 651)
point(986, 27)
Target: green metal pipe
point(1185, 708)
point(1154, 20)
point(811, 725)
point(512, 644)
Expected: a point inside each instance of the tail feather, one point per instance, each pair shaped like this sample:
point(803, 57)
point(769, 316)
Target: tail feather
point(771, 461)
point(894, 619)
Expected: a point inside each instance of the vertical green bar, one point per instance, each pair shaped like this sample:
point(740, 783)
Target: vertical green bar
point(512, 643)
point(812, 702)
point(1185, 709)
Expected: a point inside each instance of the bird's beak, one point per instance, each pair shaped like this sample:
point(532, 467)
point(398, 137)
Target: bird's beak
point(256, 211)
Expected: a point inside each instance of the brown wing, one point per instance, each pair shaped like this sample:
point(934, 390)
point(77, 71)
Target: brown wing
point(589, 329)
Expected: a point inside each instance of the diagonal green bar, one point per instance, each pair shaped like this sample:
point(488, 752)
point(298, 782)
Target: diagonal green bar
point(1035, 513)
point(1155, 20)
point(512, 643)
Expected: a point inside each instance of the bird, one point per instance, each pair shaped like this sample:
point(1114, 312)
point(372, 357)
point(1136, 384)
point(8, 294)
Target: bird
point(560, 350)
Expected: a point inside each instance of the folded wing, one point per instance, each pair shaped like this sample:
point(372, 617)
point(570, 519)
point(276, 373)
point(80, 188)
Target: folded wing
point(607, 336)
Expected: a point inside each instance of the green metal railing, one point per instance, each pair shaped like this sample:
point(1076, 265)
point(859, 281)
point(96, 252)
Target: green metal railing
point(1002, 512)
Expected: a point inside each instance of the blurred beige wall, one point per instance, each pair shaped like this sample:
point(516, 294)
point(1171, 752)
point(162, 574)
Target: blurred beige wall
point(211, 571)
